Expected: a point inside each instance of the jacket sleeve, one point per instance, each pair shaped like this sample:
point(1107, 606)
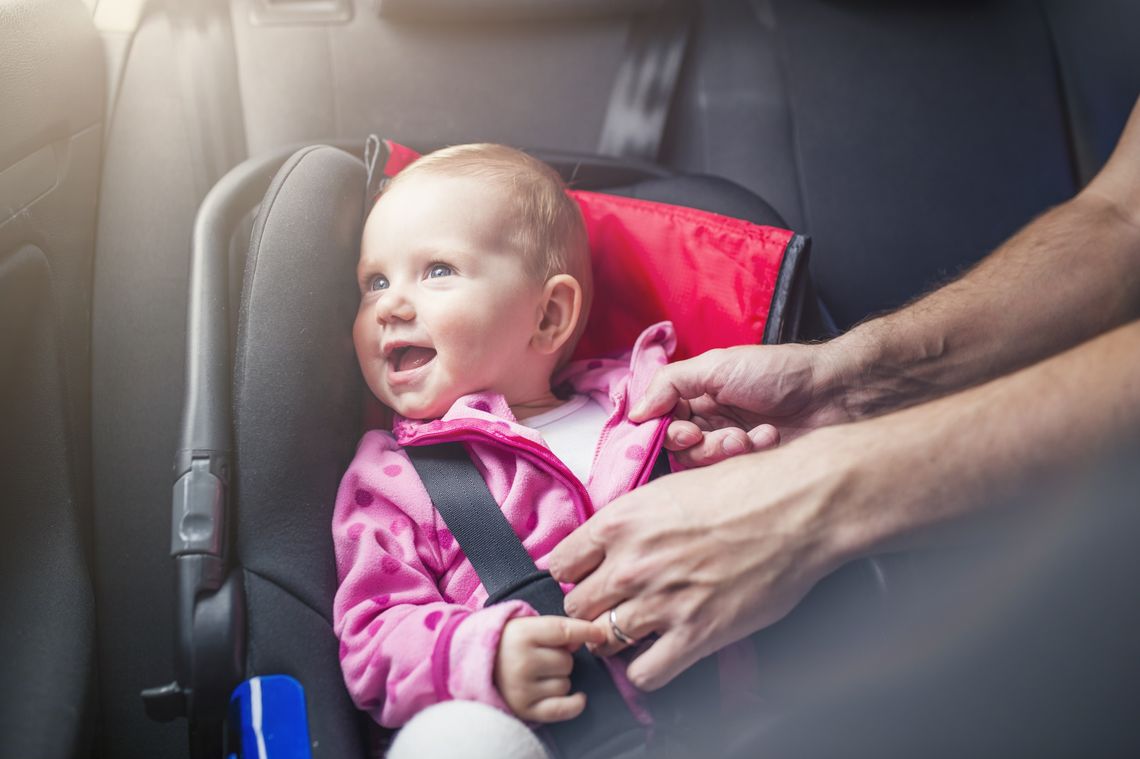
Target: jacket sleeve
point(403, 646)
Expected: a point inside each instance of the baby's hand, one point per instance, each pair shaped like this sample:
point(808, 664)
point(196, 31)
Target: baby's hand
point(532, 666)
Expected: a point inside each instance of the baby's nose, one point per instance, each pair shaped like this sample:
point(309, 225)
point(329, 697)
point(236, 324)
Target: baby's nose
point(394, 305)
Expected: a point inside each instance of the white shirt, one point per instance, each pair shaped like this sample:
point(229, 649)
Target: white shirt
point(571, 431)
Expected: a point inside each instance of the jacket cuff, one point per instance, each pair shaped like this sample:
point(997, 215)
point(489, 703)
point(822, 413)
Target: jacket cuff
point(466, 654)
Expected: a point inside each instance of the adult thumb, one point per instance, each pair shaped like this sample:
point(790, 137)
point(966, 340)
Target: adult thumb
point(684, 379)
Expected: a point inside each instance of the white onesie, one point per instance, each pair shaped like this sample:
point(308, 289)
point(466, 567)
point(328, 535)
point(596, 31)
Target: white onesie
point(572, 431)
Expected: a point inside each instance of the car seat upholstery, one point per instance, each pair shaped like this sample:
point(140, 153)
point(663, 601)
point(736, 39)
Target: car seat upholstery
point(298, 405)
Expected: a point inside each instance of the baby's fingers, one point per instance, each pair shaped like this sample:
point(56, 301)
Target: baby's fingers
point(549, 687)
point(558, 709)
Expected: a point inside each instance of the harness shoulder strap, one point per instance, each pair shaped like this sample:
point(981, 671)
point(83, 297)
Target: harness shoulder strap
point(463, 500)
point(607, 727)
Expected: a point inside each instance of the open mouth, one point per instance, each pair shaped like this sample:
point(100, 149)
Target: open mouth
point(410, 357)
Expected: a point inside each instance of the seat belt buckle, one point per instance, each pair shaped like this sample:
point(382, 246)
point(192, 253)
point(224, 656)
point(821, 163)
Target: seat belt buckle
point(268, 719)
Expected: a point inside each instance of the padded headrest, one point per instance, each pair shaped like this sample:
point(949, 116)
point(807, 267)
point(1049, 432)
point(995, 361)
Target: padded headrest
point(698, 251)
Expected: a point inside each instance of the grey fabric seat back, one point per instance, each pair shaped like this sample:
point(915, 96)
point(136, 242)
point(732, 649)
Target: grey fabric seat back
point(51, 128)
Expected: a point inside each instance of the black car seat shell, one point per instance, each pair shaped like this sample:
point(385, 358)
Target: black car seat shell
point(298, 402)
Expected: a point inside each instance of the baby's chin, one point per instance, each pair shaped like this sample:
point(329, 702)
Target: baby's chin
point(420, 411)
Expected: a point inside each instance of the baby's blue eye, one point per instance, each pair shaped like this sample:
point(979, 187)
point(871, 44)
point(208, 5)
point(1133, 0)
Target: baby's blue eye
point(440, 270)
point(379, 282)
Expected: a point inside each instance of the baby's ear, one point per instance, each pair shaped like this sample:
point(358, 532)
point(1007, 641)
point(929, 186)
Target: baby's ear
point(560, 309)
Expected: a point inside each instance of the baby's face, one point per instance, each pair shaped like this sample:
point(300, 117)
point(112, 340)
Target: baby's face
point(447, 306)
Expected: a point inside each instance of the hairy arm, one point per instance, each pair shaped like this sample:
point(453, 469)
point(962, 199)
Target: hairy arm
point(932, 463)
point(1071, 274)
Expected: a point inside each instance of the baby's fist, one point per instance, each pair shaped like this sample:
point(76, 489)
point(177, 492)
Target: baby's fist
point(533, 665)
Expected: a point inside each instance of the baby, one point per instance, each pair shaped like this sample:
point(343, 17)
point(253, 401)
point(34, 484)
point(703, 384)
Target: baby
point(475, 283)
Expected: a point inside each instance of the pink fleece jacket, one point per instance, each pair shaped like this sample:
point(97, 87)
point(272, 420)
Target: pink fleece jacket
point(409, 610)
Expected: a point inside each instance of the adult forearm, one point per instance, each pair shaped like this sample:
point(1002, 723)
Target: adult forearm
point(1069, 275)
point(936, 462)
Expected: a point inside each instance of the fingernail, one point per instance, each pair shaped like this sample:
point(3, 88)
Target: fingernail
point(571, 609)
point(638, 409)
point(732, 446)
point(688, 437)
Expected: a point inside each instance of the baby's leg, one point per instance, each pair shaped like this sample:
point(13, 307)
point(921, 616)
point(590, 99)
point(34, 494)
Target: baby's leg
point(465, 730)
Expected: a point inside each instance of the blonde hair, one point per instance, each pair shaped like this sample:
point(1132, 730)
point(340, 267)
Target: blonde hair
point(548, 223)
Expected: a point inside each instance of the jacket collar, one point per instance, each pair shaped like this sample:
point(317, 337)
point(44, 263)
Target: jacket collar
point(621, 378)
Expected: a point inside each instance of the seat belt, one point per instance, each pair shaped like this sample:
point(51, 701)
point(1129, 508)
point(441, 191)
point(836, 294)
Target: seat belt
point(646, 80)
point(606, 728)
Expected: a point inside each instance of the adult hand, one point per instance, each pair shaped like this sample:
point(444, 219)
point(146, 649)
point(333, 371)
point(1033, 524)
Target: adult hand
point(748, 398)
point(708, 556)
point(533, 663)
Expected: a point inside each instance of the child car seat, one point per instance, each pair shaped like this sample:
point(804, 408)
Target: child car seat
point(253, 499)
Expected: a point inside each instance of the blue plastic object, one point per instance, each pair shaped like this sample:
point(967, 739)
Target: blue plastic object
point(268, 720)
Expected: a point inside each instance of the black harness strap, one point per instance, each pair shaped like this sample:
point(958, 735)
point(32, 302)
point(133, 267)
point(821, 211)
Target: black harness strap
point(606, 728)
point(478, 524)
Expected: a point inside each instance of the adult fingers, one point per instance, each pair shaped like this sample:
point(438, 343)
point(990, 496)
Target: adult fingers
point(681, 435)
point(578, 554)
point(557, 709)
point(667, 657)
point(566, 633)
point(716, 445)
point(764, 436)
point(631, 624)
point(597, 593)
point(620, 528)
point(671, 383)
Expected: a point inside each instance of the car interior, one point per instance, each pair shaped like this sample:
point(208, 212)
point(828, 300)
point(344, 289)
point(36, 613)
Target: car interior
point(906, 138)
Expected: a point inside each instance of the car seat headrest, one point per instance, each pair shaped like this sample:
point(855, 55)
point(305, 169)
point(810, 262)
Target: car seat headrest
point(713, 276)
point(717, 278)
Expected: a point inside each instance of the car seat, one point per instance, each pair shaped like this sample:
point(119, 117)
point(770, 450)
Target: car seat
point(253, 498)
